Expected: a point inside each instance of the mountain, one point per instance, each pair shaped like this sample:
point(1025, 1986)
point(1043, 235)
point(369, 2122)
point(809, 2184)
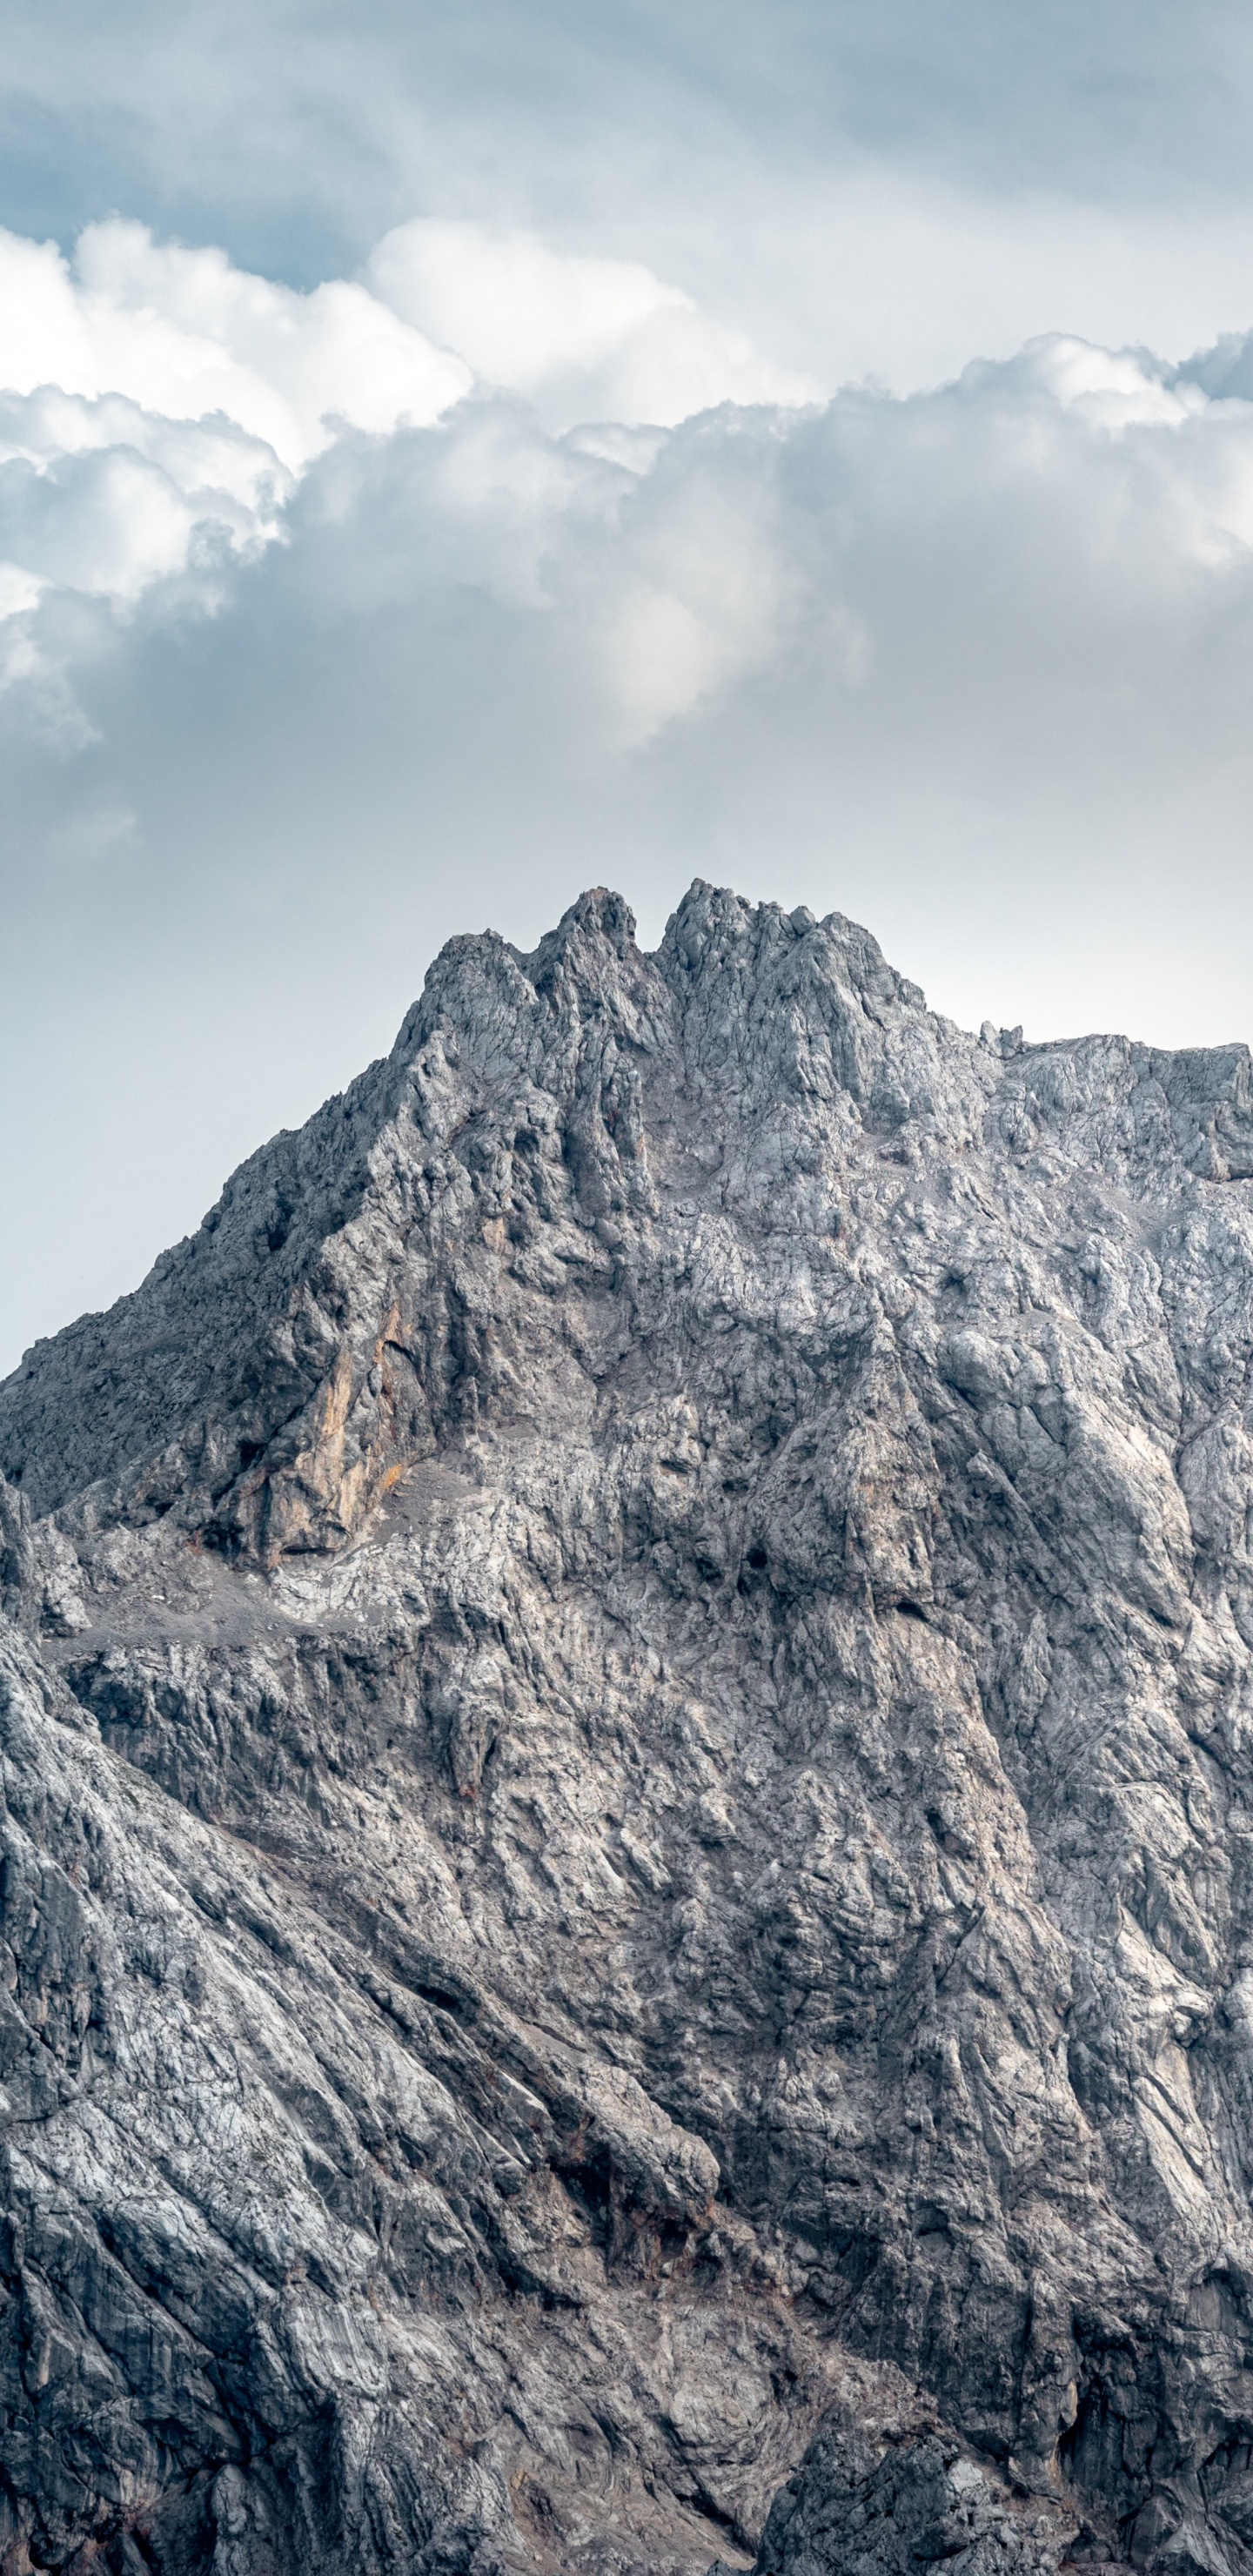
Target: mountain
point(626, 1707)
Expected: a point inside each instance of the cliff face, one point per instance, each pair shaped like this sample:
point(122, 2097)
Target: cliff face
point(625, 1712)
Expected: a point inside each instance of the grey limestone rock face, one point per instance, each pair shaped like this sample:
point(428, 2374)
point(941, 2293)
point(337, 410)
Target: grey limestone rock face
point(626, 1735)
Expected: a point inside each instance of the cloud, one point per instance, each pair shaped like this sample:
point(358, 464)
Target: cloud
point(185, 335)
point(585, 339)
point(876, 189)
point(1077, 511)
point(518, 311)
point(102, 498)
point(162, 403)
point(299, 134)
point(671, 562)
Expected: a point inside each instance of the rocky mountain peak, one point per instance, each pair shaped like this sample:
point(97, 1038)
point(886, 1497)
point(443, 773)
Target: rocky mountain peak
point(279, 1366)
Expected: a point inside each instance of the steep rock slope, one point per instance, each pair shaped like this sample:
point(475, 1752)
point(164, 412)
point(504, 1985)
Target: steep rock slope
point(629, 1798)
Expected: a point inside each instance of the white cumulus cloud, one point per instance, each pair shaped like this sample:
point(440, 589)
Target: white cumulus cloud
point(185, 334)
point(160, 404)
point(102, 497)
point(586, 339)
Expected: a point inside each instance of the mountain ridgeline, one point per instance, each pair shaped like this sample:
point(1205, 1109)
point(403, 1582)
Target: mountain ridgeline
point(626, 1851)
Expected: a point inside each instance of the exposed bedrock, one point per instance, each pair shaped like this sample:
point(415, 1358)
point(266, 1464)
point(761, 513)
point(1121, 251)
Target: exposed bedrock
point(625, 1705)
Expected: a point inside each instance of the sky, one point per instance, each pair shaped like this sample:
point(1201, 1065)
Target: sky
point(453, 456)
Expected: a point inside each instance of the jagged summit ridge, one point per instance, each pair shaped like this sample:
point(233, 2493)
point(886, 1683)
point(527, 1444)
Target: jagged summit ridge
point(276, 1368)
point(268, 1324)
point(625, 1721)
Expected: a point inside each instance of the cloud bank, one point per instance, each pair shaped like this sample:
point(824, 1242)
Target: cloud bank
point(660, 494)
point(572, 443)
point(161, 405)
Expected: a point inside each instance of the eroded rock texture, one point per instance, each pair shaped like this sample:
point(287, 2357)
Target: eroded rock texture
point(628, 1805)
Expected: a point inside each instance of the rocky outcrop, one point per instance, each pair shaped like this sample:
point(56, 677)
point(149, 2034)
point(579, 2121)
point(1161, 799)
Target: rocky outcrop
point(905, 2505)
point(625, 1726)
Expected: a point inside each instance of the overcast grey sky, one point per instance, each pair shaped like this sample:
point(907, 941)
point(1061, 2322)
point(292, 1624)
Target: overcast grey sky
point(454, 456)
